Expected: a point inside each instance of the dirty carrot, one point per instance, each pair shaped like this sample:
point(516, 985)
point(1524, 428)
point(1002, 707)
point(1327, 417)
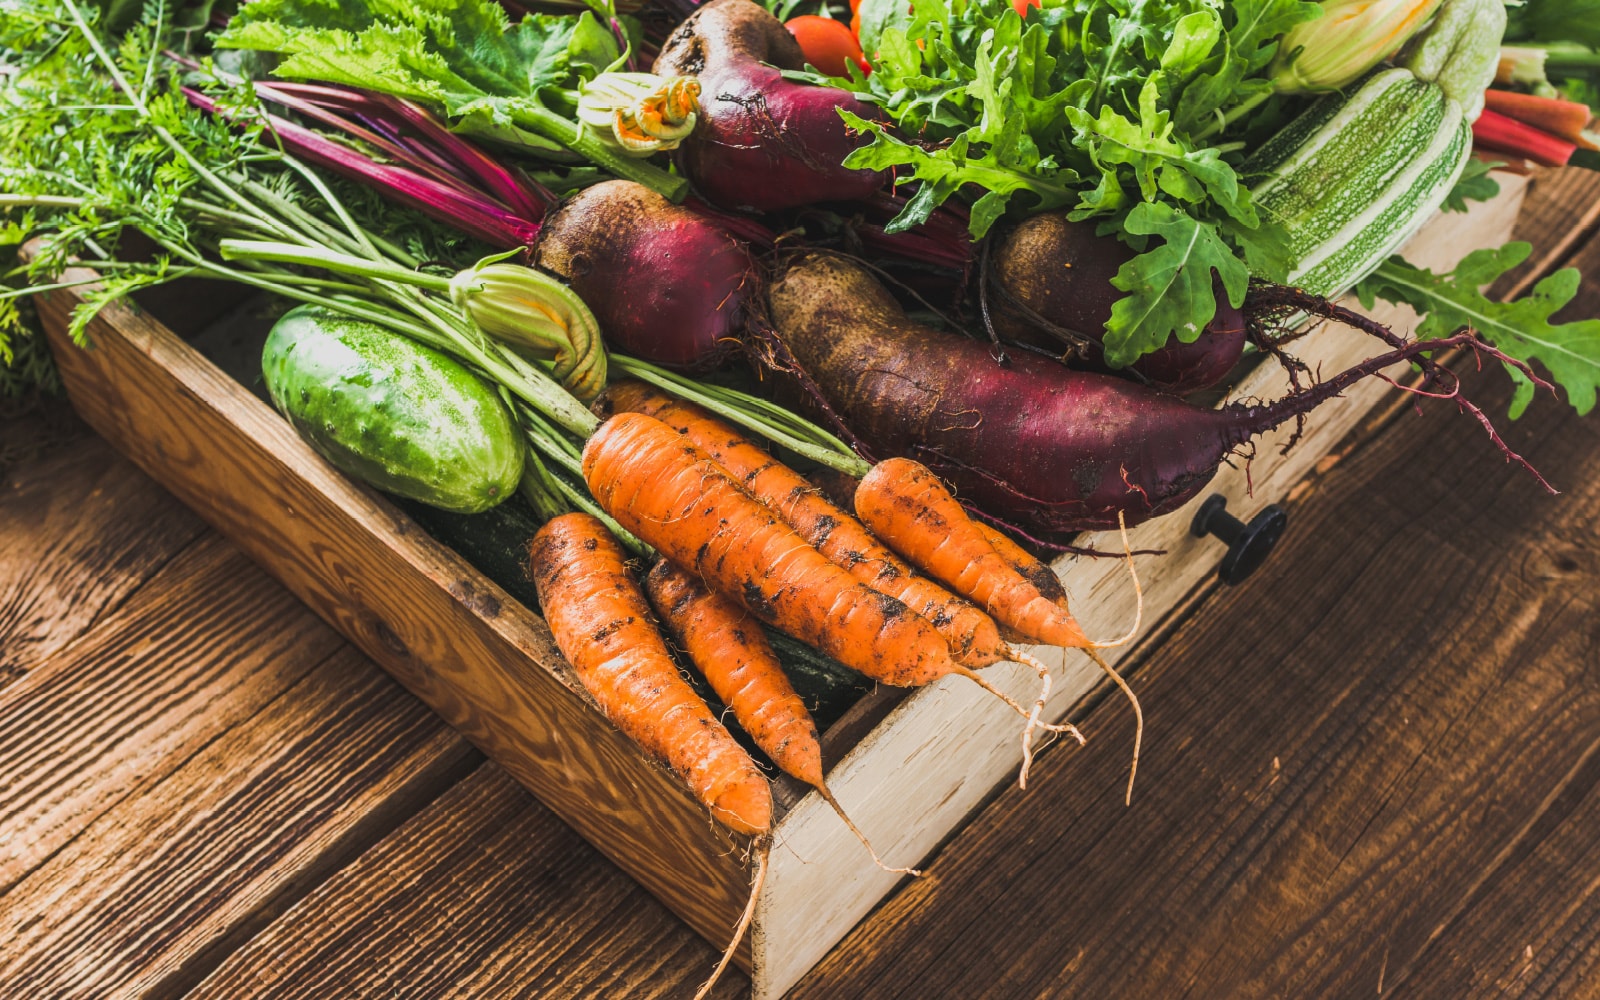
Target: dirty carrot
point(675, 498)
point(679, 501)
point(1035, 572)
point(602, 625)
point(913, 513)
point(972, 636)
point(731, 649)
point(907, 506)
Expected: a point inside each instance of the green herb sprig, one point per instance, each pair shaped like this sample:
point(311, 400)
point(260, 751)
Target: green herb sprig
point(1112, 109)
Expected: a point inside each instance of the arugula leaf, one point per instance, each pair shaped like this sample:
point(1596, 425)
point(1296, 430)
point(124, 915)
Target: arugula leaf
point(1169, 285)
point(1474, 184)
point(1522, 329)
point(944, 171)
point(1097, 106)
point(1254, 27)
point(1160, 163)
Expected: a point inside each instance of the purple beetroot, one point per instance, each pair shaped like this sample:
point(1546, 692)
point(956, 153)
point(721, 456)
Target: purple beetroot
point(1043, 447)
point(1049, 272)
point(763, 143)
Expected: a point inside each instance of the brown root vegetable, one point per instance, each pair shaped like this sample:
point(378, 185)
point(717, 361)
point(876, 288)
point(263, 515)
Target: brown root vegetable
point(762, 142)
point(666, 284)
point(1057, 271)
point(1031, 442)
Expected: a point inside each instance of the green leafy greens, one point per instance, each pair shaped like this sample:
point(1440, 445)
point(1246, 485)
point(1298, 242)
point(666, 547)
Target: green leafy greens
point(1521, 328)
point(1103, 107)
point(514, 83)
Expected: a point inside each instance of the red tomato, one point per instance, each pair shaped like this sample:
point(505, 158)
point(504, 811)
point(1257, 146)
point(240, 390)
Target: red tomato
point(826, 43)
point(1023, 6)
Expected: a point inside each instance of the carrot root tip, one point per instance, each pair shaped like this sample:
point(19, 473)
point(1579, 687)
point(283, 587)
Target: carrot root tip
point(764, 846)
point(1138, 718)
point(1138, 591)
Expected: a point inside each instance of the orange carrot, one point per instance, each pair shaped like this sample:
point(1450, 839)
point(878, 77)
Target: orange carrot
point(602, 625)
point(731, 649)
point(907, 506)
point(911, 510)
point(972, 636)
point(675, 498)
point(1042, 577)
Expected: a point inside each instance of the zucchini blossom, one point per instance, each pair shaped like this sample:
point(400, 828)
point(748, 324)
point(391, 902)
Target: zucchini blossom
point(641, 113)
point(1350, 37)
point(536, 315)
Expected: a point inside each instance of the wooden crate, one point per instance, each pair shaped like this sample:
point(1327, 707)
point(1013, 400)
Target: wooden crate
point(910, 771)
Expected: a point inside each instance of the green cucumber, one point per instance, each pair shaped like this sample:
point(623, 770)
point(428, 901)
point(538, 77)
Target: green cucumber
point(390, 412)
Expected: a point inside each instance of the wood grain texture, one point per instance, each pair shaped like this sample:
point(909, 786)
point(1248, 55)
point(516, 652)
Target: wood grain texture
point(486, 893)
point(80, 529)
point(1339, 758)
point(152, 894)
point(941, 753)
point(479, 659)
point(1530, 927)
point(200, 649)
point(1562, 214)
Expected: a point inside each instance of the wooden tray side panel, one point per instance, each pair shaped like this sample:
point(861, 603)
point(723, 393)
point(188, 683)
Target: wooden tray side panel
point(943, 750)
point(459, 643)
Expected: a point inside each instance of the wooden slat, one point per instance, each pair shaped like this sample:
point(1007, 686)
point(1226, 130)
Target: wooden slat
point(199, 650)
point(484, 894)
point(1532, 928)
point(1336, 755)
point(149, 897)
point(80, 529)
point(483, 662)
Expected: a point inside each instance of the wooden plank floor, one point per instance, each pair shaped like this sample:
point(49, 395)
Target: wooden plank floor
point(1371, 771)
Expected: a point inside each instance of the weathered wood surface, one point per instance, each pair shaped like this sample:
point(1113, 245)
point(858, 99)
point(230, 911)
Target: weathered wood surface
point(147, 898)
point(81, 530)
point(487, 665)
point(485, 893)
point(192, 655)
point(1341, 759)
point(1427, 614)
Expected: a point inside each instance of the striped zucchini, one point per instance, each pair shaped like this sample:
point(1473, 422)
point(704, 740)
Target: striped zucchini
point(1355, 175)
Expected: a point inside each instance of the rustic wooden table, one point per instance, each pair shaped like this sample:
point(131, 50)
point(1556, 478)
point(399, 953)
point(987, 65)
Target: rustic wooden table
point(1370, 771)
